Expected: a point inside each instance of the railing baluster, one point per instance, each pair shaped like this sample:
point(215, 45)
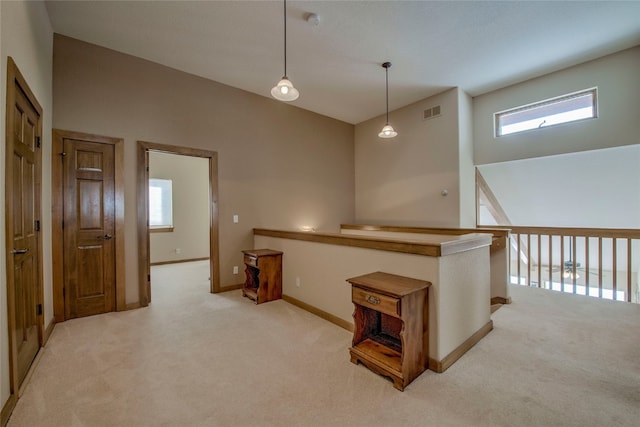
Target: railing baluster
point(518, 258)
point(562, 263)
point(629, 270)
point(614, 268)
point(574, 262)
point(587, 271)
point(539, 259)
point(528, 259)
point(599, 267)
point(550, 262)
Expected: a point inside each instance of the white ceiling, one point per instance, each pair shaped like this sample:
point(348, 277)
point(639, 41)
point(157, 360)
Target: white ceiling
point(478, 46)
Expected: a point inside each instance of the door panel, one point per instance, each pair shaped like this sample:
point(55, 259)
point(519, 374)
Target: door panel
point(24, 210)
point(26, 315)
point(89, 224)
point(91, 260)
point(18, 223)
point(90, 194)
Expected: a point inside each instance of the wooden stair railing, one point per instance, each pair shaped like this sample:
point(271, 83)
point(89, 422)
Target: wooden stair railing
point(566, 259)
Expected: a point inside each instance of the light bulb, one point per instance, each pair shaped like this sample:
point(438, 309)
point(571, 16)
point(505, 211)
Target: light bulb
point(284, 91)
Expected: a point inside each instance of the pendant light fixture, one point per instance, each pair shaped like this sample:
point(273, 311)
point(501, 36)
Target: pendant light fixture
point(387, 131)
point(284, 90)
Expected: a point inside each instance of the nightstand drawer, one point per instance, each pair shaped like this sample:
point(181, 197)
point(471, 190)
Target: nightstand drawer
point(382, 303)
point(250, 260)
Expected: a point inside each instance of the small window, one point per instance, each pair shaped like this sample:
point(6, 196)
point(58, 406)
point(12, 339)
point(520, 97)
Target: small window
point(160, 204)
point(563, 109)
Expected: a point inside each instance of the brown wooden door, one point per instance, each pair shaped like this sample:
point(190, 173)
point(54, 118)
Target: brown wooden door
point(23, 212)
point(89, 228)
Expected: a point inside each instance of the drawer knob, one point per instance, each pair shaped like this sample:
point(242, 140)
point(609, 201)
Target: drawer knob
point(373, 300)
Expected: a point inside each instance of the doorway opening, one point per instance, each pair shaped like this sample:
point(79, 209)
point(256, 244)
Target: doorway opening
point(147, 151)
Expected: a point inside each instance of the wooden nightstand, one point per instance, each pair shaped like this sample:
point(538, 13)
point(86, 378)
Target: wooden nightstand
point(391, 325)
point(263, 271)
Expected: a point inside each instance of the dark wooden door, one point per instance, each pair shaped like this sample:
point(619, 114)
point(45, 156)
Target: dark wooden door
point(89, 228)
point(23, 211)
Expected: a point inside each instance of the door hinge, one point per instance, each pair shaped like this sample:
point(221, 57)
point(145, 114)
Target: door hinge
point(148, 277)
point(37, 225)
point(64, 292)
point(39, 307)
point(38, 141)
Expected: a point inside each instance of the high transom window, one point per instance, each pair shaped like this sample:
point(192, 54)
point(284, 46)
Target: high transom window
point(550, 112)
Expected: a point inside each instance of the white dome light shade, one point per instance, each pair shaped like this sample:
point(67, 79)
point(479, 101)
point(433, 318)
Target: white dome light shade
point(284, 91)
point(387, 132)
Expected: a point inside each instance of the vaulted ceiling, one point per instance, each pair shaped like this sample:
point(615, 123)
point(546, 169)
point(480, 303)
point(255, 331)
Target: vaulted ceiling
point(478, 46)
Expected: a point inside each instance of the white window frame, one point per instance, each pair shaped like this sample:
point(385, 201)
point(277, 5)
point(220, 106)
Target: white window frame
point(557, 118)
point(163, 221)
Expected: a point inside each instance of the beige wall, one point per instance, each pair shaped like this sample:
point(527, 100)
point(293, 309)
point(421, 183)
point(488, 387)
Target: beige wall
point(26, 36)
point(278, 166)
point(498, 260)
point(466, 168)
point(618, 81)
point(459, 283)
point(190, 181)
point(400, 181)
point(597, 188)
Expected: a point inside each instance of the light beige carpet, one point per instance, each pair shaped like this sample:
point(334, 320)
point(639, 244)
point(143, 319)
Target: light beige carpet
point(197, 359)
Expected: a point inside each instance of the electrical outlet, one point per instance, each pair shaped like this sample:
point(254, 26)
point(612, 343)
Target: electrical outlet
point(178, 250)
point(235, 219)
point(297, 282)
point(235, 269)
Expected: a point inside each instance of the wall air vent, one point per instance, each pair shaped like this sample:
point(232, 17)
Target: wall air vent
point(430, 113)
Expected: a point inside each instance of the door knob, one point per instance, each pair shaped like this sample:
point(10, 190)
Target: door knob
point(105, 237)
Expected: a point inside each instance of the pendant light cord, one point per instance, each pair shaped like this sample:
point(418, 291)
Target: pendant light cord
point(386, 66)
point(285, 38)
point(387, 88)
